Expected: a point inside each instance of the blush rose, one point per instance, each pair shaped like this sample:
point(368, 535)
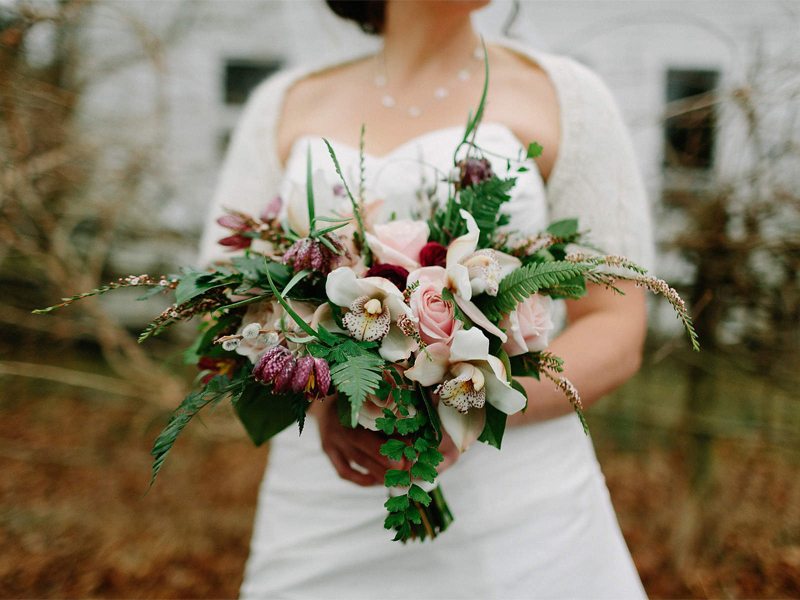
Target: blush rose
point(529, 326)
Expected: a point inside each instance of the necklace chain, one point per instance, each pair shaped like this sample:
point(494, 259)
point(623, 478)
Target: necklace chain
point(439, 93)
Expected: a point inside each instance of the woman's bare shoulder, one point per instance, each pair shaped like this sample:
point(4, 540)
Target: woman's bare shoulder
point(310, 101)
point(523, 95)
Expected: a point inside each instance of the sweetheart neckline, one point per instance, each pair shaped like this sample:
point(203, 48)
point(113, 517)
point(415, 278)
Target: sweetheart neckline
point(402, 146)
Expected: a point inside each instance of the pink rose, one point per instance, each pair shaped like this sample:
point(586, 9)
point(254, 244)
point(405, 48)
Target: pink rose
point(399, 242)
point(437, 322)
point(529, 326)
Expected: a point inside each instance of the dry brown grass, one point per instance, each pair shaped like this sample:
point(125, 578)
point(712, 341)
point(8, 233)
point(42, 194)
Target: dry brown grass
point(75, 520)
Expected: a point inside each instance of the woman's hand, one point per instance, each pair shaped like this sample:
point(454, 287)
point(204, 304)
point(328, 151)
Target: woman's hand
point(346, 447)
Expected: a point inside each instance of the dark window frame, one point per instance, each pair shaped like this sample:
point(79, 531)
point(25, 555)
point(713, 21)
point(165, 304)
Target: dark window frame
point(690, 137)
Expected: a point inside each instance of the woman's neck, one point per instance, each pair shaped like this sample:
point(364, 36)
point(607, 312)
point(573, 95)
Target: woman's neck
point(422, 35)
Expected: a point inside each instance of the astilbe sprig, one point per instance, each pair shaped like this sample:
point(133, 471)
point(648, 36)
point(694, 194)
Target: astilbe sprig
point(143, 280)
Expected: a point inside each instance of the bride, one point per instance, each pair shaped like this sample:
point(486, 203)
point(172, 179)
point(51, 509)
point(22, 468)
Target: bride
point(532, 521)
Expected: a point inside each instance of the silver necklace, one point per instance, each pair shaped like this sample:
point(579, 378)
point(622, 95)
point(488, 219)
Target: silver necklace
point(439, 93)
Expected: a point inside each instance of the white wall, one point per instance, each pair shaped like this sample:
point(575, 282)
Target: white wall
point(630, 43)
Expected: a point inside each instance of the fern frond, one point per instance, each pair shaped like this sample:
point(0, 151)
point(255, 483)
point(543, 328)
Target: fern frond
point(355, 378)
point(216, 390)
point(526, 281)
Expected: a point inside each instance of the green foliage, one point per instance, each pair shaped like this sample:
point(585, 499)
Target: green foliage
point(566, 229)
point(265, 413)
point(534, 150)
point(194, 283)
point(483, 201)
point(216, 389)
point(393, 449)
point(397, 503)
point(357, 377)
point(494, 428)
point(526, 281)
point(417, 494)
point(396, 478)
point(424, 470)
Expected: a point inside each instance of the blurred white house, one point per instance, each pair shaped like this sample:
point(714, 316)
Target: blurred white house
point(198, 60)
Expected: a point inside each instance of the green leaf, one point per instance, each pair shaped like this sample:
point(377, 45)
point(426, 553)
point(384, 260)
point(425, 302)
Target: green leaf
point(410, 453)
point(216, 389)
point(494, 428)
point(297, 318)
point(393, 449)
point(534, 150)
point(203, 344)
point(397, 503)
point(263, 413)
point(526, 281)
point(567, 228)
point(386, 423)
point(356, 378)
point(417, 494)
point(424, 471)
point(312, 220)
point(413, 515)
point(409, 425)
point(431, 456)
point(195, 283)
point(483, 201)
point(394, 520)
point(473, 122)
point(396, 478)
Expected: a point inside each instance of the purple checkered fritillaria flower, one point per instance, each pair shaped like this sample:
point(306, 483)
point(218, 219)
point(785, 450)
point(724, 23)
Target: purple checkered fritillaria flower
point(474, 171)
point(312, 254)
point(312, 377)
point(277, 367)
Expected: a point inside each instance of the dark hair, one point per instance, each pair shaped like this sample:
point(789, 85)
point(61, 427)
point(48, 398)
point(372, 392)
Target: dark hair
point(369, 14)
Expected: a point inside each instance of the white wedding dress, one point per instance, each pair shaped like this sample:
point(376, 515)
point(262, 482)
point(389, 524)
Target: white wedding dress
point(531, 521)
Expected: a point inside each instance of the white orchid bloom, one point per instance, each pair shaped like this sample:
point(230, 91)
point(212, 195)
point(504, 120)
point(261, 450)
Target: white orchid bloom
point(374, 305)
point(467, 377)
point(469, 272)
point(472, 271)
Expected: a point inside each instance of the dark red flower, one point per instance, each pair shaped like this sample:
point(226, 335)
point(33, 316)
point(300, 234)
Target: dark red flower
point(474, 171)
point(236, 242)
point(394, 273)
point(215, 366)
point(433, 254)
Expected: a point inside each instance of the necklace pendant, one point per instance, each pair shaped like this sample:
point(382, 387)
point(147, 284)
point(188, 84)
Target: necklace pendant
point(414, 111)
point(389, 101)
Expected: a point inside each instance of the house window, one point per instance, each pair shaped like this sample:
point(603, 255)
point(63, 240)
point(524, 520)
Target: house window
point(242, 75)
point(690, 124)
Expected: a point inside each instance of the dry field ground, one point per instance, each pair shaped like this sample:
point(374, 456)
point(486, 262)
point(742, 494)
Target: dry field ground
point(75, 520)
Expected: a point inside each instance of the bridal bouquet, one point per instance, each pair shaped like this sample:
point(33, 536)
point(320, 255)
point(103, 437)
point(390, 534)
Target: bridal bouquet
point(415, 328)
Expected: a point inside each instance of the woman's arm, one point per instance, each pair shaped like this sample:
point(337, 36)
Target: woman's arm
point(601, 347)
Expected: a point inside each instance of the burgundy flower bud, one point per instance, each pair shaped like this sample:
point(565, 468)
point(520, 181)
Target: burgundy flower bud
point(302, 372)
point(394, 273)
point(474, 171)
point(433, 254)
point(272, 210)
point(309, 253)
point(236, 242)
point(276, 367)
point(322, 371)
point(312, 376)
point(235, 222)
